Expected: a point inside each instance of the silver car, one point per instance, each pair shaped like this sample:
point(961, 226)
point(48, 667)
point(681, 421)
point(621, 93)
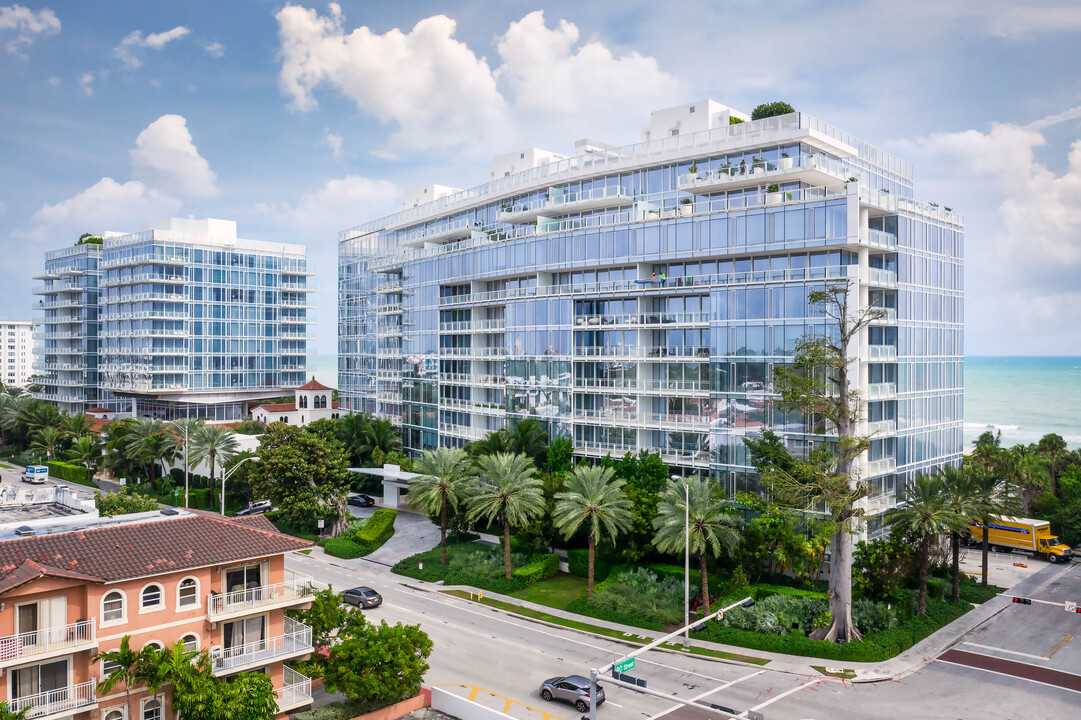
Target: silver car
point(573, 689)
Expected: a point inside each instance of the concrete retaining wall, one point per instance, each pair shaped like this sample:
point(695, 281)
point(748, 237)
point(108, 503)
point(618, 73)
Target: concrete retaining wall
point(397, 710)
point(460, 707)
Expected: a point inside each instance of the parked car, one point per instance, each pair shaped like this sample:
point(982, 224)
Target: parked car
point(361, 500)
point(573, 689)
point(256, 507)
point(35, 474)
point(362, 597)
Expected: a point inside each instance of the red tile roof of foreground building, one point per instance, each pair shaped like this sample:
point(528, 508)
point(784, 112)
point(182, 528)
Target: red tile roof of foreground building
point(121, 552)
point(313, 384)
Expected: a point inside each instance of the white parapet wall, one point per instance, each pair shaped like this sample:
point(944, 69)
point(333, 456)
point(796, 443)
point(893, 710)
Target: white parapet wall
point(463, 708)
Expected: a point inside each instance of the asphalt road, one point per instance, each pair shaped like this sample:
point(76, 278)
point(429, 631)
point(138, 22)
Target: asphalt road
point(510, 656)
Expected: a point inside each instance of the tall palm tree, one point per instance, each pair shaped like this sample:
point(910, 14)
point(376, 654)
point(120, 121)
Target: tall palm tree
point(528, 437)
point(76, 425)
point(48, 440)
point(593, 495)
point(446, 478)
point(995, 501)
point(711, 528)
point(509, 490)
point(169, 666)
point(964, 496)
point(118, 435)
point(178, 441)
point(1053, 446)
point(36, 414)
point(128, 668)
point(492, 443)
point(351, 433)
point(380, 438)
point(926, 514)
point(87, 451)
point(148, 444)
point(214, 445)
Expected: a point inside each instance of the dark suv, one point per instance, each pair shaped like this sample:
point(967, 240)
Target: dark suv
point(573, 689)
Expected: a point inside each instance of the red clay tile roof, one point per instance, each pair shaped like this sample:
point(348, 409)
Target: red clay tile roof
point(98, 410)
point(277, 407)
point(30, 570)
point(313, 385)
point(144, 549)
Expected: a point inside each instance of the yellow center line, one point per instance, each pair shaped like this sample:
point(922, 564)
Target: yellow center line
point(1062, 643)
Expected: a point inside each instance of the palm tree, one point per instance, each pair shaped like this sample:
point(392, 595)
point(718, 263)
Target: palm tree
point(446, 477)
point(118, 435)
point(148, 443)
point(926, 514)
point(351, 433)
point(178, 442)
point(529, 438)
point(994, 502)
point(510, 490)
point(711, 528)
point(379, 439)
point(214, 445)
point(36, 414)
point(593, 495)
point(964, 497)
point(48, 440)
point(492, 443)
point(173, 665)
point(76, 425)
point(1052, 445)
point(128, 669)
point(87, 451)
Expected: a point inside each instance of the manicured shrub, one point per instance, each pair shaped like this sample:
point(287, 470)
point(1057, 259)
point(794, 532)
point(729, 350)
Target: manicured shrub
point(70, 472)
point(578, 564)
point(582, 607)
point(378, 529)
point(640, 592)
point(345, 548)
point(772, 109)
point(540, 567)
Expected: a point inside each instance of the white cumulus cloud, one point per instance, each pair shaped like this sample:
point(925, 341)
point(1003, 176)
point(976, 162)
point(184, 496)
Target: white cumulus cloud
point(166, 158)
point(333, 141)
point(432, 87)
point(105, 205)
point(214, 49)
point(26, 23)
point(128, 51)
point(319, 214)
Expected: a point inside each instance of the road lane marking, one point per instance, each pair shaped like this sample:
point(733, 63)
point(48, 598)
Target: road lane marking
point(1011, 652)
point(696, 698)
point(1003, 674)
point(1013, 668)
point(784, 694)
point(1061, 645)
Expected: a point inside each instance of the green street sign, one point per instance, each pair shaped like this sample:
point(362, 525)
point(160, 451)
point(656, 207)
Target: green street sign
point(622, 667)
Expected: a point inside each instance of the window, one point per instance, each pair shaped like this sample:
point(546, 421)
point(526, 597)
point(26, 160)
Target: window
point(108, 667)
point(112, 607)
point(187, 593)
point(152, 709)
point(191, 642)
point(151, 598)
point(114, 715)
point(153, 645)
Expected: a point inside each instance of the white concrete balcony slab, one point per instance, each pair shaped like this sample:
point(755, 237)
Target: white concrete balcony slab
point(296, 641)
point(295, 692)
point(450, 231)
point(56, 703)
point(295, 591)
point(48, 642)
point(881, 353)
point(878, 277)
point(562, 204)
point(813, 169)
point(882, 428)
point(881, 391)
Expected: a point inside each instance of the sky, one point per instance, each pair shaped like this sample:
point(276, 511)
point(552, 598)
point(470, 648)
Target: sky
point(298, 121)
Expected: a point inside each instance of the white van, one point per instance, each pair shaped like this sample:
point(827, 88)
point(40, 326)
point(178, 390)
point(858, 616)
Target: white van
point(36, 474)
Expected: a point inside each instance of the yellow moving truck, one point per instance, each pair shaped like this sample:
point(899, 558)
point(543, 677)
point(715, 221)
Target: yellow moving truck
point(1010, 534)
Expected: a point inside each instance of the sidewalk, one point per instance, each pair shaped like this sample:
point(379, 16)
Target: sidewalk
point(907, 662)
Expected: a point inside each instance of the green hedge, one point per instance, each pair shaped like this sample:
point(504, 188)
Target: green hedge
point(578, 564)
point(540, 567)
point(761, 591)
point(875, 647)
point(70, 472)
point(344, 548)
point(378, 529)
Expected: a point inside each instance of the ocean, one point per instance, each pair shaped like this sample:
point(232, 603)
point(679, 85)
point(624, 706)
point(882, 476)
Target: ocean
point(1024, 397)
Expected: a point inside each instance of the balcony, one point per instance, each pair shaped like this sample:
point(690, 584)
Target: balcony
point(878, 239)
point(295, 692)
point(296, 641)
point(882, 428)
point(881, 353)
point(568, 202)
point(813, 169)
point(57, 703)
point(882, 391)
point(294, 591)
point(454, 230)
point(879, 277)
point(883, 466)
point(48, 642)
point(888, 317)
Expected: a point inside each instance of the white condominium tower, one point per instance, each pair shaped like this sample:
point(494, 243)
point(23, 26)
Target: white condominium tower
point(16, 352)
point(640, 297)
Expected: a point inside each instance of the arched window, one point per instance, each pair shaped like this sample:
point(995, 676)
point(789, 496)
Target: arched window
point(114, 715)
point(323, 401)
point(151, 598)
point(191, 642)
point(152, 709)
point(187, 593)
point(112, 607)
point(154, 645)
point(303, 401)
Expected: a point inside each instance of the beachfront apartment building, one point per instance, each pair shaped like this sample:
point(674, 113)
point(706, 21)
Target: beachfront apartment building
point(639, 297)
point(217, 584)
point(16, 352)
point(68, 340)
point(181, 319)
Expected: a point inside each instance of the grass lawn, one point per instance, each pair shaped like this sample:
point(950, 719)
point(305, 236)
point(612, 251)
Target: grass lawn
point(555, 592)
point(597, 630)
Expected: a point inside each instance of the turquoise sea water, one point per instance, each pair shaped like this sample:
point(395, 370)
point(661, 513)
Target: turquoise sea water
point(1024, 397)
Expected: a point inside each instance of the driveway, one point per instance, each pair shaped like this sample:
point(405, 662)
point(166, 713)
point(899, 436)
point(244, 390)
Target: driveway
point(413, 533)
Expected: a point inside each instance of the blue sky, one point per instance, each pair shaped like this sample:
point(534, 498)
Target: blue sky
point(299, 121)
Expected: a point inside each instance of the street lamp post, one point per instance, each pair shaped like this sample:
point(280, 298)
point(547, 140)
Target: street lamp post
point(686, 559)
point(225, 476)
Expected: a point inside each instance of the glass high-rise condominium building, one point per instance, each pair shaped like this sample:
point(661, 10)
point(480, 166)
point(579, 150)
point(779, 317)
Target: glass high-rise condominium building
point(639, 297)
point(194, 321)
